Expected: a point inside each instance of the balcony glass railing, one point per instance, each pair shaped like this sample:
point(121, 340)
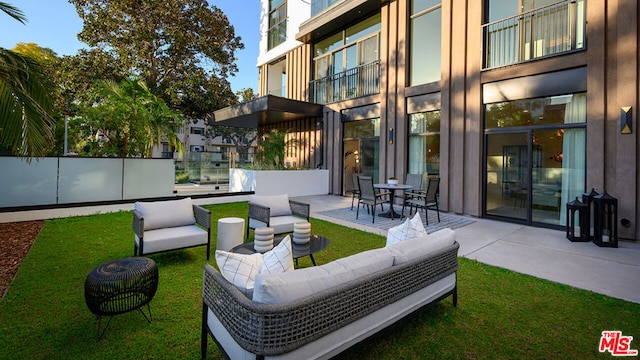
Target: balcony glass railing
point(551, 30)
point(277, 34)
point(317, 6)
point(360, 81)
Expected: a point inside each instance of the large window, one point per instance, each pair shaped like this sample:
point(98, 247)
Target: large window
point(535, 157)
point(346, 64)
point(424, 143)
point(277, 22)
point(426, 38)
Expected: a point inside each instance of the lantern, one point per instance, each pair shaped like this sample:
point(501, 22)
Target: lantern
point(577, 221)
point(605, 217)
point(587, 199)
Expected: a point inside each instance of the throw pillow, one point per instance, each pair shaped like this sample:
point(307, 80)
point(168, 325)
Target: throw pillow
point(410, 229)
point(279, 259)
point(239, 269)
point(278, 204)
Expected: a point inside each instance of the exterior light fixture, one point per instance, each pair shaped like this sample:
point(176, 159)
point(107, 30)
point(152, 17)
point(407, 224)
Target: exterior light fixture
point(390, 136)
point(626, 120)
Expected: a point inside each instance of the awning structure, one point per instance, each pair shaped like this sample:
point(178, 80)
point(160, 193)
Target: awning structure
point(266, 110)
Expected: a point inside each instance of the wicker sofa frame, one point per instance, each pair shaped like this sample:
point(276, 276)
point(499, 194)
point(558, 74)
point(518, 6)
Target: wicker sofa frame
point(202, 216)
point(263, 213)
point(276, 329)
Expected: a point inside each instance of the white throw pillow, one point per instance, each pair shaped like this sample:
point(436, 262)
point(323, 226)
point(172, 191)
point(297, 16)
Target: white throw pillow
point(279, 259)
point(410, 229)
point(166, 214)
point(278, 204)
point(239, 269)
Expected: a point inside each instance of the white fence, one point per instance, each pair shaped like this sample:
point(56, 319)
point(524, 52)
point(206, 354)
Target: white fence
point(68, 180)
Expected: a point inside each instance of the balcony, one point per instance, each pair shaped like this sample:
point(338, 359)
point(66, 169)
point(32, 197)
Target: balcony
point(548, 31)
point(317, 6)
point(359, 81)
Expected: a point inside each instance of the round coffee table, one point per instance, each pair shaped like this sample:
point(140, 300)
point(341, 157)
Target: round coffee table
point(316, 243)
point(120, 286)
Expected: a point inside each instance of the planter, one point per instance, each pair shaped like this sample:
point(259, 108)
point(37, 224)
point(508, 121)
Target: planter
point(275, 182)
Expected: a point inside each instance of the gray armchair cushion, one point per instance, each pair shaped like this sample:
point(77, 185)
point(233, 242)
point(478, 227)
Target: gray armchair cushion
point(278, 204)
point(166, 214)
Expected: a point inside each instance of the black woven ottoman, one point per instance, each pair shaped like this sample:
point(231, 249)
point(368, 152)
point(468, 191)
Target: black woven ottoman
point(120, 286)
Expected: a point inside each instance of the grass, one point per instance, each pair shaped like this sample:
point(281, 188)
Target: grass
point(500, 314)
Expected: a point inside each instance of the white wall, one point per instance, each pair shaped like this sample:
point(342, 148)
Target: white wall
point(276, 182)
point(298, 11)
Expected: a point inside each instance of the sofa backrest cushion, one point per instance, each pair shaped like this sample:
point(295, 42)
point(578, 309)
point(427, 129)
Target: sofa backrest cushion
point(408, 250)
point(293, 285)
point(277, 204)
point(166, 214)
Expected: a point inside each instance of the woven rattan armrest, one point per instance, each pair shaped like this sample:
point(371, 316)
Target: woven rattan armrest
point(272, 329)
point(299, 209)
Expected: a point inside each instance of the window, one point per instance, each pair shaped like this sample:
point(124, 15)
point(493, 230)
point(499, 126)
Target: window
point(424, 143)
point(425, 42)
point(535, 157)
point(197, 130)
point(277, 23)
point(361, 150)
point(347, 64)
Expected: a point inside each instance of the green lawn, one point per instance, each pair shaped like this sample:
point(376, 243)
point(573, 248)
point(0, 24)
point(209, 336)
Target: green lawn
point(500, 314)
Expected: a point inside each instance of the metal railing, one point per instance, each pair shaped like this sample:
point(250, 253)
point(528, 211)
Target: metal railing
point(359, 81)
point(551, 30)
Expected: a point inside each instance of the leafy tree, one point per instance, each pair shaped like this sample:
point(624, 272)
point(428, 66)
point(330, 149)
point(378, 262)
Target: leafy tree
point(184, 50)
point(242, 138)
point(245, 95)
point(26, 126)
point(127, 120)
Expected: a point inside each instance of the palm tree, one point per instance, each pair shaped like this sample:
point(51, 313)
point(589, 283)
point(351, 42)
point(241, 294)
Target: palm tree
point(26, 126)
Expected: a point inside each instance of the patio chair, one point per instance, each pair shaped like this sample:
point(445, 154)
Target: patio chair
point(369, 196)
point(425, 200)
point(414, 180)
point(355, 192)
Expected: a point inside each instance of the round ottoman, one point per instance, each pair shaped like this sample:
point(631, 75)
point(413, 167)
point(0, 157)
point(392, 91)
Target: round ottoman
point(120, 286)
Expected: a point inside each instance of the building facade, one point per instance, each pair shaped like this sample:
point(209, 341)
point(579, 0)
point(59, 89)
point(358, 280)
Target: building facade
point(518, 106)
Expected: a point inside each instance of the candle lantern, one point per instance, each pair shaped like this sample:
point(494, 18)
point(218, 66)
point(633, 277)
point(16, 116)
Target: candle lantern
point(577, 228)
point(587, 199)
point(605, 216)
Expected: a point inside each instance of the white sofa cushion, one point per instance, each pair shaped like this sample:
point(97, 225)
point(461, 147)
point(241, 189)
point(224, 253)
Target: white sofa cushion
point(279, 259)
point(410, 229)
point(278, 204)
point(289, 286)
point(280, 224)
point(167, 238)
point(411, 249)
point(239, 269)
point(166, 214)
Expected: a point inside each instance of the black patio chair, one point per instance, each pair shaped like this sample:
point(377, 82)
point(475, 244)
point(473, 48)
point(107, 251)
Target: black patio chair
point(369, 196)
point(425, 200)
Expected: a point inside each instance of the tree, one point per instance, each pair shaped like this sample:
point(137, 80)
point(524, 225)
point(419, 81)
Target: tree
point(245, 95)
point(184, 50)
point(127, 120)
point(242, 138)
point(273, 147)
point(26, 126)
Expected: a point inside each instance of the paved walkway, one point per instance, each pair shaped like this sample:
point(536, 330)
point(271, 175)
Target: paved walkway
point(543, 253)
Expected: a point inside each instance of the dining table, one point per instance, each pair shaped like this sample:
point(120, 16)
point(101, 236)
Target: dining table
point(391, 213)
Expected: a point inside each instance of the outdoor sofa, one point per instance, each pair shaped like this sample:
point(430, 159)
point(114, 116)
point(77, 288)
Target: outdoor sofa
point(170, 225)
point(319, 312)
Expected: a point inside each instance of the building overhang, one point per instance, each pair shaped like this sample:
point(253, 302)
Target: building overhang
point(334, 18)
point(266, 110)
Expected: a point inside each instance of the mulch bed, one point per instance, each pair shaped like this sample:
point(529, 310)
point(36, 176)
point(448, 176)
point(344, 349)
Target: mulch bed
point(15, 241)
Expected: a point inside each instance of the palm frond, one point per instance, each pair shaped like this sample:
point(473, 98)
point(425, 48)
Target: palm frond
point(13, 11)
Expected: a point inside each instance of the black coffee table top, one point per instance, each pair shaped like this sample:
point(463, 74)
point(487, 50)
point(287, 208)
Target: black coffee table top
point(316, 243)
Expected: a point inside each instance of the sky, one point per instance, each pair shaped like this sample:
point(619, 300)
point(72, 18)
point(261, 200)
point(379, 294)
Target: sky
point(55, 24)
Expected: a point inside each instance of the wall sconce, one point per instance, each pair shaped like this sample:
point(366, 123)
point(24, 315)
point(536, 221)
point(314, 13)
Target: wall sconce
point(625, 120)
point(390, 136)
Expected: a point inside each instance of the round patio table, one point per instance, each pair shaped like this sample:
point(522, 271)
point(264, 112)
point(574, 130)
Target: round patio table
point(120, 286)
point(391, 213)
point(316, 243)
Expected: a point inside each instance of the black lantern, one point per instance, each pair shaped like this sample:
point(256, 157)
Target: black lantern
point(587, 199)
point(577, 220)
point(605, 216)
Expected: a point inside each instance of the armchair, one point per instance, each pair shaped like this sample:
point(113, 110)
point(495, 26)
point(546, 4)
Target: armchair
point(275, 211)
